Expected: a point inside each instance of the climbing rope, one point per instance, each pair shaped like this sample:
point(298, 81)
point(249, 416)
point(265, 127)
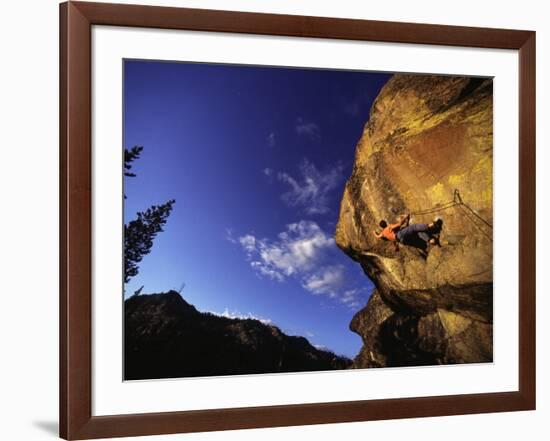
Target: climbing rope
point(457, 201)
point(435, 209)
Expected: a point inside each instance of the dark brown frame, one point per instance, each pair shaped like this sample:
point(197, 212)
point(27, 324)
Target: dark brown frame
point(76, 420)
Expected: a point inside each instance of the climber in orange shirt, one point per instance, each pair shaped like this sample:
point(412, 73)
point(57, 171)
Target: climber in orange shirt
point(402, 232)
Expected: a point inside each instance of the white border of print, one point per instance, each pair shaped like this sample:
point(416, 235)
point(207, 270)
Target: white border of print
point(111, 395)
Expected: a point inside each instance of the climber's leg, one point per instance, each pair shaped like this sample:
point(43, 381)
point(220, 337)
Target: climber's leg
point(408, 233)
point(424, 236)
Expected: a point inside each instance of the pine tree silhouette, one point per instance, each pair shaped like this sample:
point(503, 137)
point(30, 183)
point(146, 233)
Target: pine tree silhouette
point(129, 157)
point(140, 233)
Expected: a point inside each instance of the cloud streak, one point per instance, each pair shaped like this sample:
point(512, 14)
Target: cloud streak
point(271, 140)
point(305, 253)
point(238, 315)
point(327, 280)
point(308, 129)
point(296, 250)
point(311, 191)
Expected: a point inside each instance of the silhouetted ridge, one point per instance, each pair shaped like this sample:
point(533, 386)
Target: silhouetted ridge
point(166, 337)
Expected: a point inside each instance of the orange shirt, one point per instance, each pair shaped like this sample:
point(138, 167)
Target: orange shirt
point(389, 232)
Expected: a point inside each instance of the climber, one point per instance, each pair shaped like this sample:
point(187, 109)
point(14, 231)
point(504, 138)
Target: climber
point(410, 234)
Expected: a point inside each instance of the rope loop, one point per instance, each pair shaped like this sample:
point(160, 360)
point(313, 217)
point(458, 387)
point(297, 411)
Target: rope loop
point(457, 201)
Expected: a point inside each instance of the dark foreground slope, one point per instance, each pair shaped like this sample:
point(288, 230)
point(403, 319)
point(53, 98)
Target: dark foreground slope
point(166, 337)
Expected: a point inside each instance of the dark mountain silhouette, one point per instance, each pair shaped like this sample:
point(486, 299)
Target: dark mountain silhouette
point(166, 337)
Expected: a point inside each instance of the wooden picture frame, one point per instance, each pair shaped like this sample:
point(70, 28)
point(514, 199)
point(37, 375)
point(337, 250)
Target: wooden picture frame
point(76, 420)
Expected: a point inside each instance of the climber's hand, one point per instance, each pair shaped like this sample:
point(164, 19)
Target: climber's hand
point(404, 219)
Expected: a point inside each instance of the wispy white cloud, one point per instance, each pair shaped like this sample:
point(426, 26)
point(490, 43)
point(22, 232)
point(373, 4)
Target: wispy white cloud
point(248, 242)
point(311, 191)
point(229, 235)
point(305, 253)
point(295, 251)
point(271, 140)
point(238, 315)
point(328, 280)
point(265, 270)
point(308, 128)
point(352, 297)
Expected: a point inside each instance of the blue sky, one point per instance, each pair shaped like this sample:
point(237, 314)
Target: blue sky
point(256, 159)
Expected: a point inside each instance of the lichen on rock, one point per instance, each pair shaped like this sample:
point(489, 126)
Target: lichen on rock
point(426, 137)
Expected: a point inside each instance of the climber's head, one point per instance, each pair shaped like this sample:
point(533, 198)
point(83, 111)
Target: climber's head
point(383, 224)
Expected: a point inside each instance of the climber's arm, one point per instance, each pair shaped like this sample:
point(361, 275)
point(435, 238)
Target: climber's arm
point(403, 221)
point(405, 218)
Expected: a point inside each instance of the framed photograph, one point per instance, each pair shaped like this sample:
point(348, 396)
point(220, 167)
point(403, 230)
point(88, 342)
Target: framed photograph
point(272, 220)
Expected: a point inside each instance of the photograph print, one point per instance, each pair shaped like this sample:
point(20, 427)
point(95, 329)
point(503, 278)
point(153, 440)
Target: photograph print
point(281, 219)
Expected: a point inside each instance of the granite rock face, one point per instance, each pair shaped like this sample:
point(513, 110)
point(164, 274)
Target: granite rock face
point(427, 149)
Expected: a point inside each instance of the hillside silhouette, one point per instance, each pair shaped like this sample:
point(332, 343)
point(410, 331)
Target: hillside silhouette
point(166, 337)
